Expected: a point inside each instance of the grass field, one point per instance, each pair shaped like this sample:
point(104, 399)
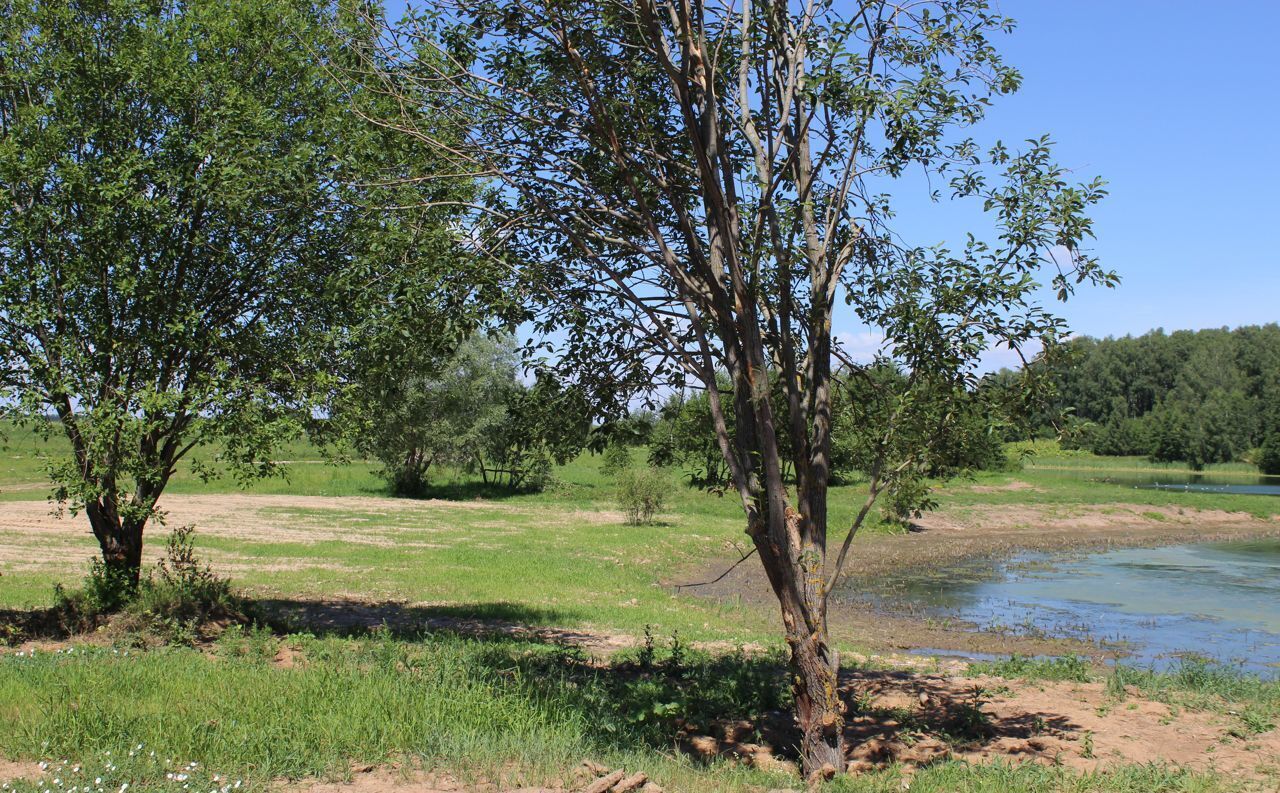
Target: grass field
point(318, 700)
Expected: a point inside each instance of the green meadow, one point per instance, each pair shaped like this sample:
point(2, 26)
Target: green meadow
point(417, 692)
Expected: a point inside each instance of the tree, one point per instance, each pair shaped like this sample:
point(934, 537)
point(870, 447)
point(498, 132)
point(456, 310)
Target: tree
point(411, 418)
point(187, 255)
point(467, 411)
point(686, 436)
point(543, 424)
point(1193, 396)
point(1269, 455)
point(691, 188)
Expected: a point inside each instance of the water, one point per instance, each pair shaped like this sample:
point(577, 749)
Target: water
point(1183, 482)
point(1220, 601)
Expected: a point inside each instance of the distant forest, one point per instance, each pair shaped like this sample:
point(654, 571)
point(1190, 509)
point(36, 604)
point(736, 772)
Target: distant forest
point(1201, 397)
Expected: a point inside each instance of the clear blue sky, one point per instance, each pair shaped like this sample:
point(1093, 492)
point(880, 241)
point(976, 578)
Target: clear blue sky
point(1176, 103)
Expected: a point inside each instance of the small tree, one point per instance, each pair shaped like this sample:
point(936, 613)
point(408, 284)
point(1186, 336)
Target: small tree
point(543, 425)
point(1269, 455)
point(642, 493)
point(692, 187)
point(445, 413)
point(616, 458)
point(185, 252)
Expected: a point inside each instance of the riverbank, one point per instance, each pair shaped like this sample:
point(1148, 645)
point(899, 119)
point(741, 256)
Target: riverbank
point(964, 530)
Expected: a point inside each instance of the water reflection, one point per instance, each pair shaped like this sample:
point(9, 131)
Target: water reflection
point(1220, 600)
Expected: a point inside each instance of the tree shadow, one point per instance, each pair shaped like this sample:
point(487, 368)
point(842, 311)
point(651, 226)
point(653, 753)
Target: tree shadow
point(914, 718)
point(350, 617)
point(32, 624)
point(715, 706)
point(660, 692)
point(469, 490)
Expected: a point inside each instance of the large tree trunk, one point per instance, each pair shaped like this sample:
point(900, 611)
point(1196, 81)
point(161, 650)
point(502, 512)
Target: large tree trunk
point(819, 711)
point(120, 540)
point(794, 571)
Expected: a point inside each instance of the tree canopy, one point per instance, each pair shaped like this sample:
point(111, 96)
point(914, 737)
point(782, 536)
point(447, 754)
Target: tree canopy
point(189, 249)
point(471, 412)
point(1200, 397)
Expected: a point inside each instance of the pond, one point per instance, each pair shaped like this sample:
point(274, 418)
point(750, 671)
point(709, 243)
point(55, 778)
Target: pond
point(1220, 601)
point(1178, 481)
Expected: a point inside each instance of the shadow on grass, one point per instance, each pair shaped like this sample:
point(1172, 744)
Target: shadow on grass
point(460, 491)
point(659, 692)
point(343, 617)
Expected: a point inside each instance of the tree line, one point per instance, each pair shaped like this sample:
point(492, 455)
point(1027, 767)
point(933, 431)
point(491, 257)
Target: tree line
point(1199, 397)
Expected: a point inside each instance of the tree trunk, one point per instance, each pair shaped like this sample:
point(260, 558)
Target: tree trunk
point(120, 540)
point(793, 572)
point(819, 711)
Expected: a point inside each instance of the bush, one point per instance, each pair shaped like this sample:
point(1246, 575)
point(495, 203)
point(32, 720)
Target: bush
point(106, 591)
point(173, 602)
point(642, 494)
point(905, 500)
point(616, 459)
point(184, 588)
point(1269, 455)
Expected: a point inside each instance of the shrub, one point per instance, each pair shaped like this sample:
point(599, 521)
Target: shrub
point(1269, 455)
point(642, 494)
point(616, 459)
point(105, 592)
point(905, 500)
point(184, 588)
point(172, 602)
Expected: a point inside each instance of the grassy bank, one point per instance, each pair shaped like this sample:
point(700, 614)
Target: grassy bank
point(516, 712)
point(563, 557)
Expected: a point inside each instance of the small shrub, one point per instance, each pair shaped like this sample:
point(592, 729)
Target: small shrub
point(616, 459)
point(183, 592)
point(642, 494)
point(106, 591)
point(905, 500)
point(173, 602)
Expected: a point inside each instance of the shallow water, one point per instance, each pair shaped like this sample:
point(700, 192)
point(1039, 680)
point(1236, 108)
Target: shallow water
point(1219, 600)
point(1243, 485)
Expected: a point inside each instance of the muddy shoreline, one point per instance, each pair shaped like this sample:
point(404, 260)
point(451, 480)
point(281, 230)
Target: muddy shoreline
point(986, 531)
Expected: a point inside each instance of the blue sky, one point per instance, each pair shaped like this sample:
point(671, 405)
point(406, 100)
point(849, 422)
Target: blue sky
point(1177, 105)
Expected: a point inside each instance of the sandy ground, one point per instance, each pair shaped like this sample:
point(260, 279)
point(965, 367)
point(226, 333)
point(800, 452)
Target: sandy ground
point(1074, 724)
point(34, 537)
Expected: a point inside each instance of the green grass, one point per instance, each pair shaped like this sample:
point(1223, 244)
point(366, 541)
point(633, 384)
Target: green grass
point(562, 558)
point(1021, 667)
point(492, 708)
point(1084, 485)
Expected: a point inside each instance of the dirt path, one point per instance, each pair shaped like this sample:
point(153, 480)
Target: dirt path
point(1059, 723)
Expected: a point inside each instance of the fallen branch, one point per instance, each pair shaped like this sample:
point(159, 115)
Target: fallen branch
point(720, 577)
